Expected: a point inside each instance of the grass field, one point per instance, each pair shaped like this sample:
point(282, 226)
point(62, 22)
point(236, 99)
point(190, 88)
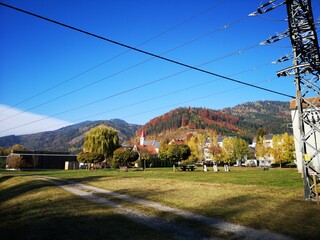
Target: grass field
point(273, 200)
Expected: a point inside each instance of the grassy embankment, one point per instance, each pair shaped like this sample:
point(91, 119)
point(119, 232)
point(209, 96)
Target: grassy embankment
point(248, 196)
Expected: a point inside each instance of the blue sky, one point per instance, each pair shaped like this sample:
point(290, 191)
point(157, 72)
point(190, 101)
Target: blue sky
point(45, 68)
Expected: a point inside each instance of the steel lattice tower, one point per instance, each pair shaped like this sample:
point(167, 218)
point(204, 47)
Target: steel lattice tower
point(306, 72)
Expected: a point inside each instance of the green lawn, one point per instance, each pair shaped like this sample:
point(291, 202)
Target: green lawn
point(33, 209)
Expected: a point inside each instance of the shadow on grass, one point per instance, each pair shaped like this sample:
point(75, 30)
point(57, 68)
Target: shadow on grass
point(83, 222)
point(21, 188)
point(5, 178)
point(280, 216)
point(54, 214)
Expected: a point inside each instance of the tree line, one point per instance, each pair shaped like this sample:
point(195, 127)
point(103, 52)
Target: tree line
point(102, 144)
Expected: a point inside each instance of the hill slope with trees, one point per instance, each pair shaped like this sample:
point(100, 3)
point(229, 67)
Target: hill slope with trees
point(70, 138)
point(242, 120)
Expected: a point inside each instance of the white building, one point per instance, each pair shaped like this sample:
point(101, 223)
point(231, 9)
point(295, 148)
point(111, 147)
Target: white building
point(313, 140)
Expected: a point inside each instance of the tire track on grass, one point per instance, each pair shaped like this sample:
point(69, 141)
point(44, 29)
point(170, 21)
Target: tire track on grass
point(239, 231)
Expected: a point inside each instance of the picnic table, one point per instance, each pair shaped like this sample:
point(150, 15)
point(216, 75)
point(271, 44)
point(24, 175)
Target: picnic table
point(187, 168)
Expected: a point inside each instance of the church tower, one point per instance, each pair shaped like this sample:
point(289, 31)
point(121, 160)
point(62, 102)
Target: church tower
point(142, 138)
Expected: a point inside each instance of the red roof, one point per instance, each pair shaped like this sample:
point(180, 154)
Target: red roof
point(177, 141)
point(146, 149)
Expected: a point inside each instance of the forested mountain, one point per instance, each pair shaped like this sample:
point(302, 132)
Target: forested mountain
point(273, 116)
point(242, 120)
point(69, 138)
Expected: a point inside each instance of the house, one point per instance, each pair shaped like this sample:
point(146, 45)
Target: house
point(206, 151)
point(220, 141)
point(268, 143)
point(206, 148)
point(44, 159)
point(311, 127)
point(267, 140)
point(153, 143)
point(176, 141)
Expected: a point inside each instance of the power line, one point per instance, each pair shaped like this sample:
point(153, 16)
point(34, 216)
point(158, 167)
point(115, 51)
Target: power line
point(133, 66)
point(237, 52)
point(114, 57)
point(145, 52)
point(192, 100)
point(171, 93)
point(131, 89)
point(207, 82)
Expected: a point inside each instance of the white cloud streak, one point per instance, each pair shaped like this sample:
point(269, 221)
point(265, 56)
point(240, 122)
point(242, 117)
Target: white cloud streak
point(19, 124)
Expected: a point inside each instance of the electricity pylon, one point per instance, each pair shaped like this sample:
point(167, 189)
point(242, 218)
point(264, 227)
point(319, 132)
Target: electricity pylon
point(306, 72)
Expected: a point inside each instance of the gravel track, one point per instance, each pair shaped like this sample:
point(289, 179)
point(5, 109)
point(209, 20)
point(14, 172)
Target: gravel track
point(175, 230)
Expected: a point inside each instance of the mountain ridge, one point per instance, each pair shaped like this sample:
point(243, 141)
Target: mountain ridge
point(69, 138)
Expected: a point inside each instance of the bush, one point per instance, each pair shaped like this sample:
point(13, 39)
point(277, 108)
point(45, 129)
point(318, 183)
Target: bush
point(275, 165)
point(123, 157)
point(86, 157)
point(14, 161)
point(290, 165)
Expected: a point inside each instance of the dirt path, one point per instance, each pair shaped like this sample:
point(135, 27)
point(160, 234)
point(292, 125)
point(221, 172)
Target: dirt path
point(177, 231)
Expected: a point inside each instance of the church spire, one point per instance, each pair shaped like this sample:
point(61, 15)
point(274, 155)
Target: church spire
point(142, 138)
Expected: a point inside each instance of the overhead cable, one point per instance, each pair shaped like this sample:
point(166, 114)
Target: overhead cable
point(145, 52)
point(114, 57)
point(237, 52)
point(47, 117)
point(192, 100)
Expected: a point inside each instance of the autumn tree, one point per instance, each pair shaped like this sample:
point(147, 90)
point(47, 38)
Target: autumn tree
point(227, 154)
point(288, 148)
point(282, 148)
point(174, 152)
point(234, 149)
point(241, 149)
point(18, 147)
point(201, 139)
point(195, 154)
point(14, 161)
point(276, 150)
point(101, 139)
point(163, 154)
point(123, 157)
point(215, 150)
point(263, 151)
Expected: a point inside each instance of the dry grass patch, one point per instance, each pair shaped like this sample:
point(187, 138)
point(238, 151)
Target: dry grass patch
point(264, 200)
point(277, 209)
point(34, 209)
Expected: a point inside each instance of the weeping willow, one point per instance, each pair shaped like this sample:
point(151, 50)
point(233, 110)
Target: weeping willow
point(101, 139)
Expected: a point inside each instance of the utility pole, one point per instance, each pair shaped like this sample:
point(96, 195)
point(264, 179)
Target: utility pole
point(306, 72)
